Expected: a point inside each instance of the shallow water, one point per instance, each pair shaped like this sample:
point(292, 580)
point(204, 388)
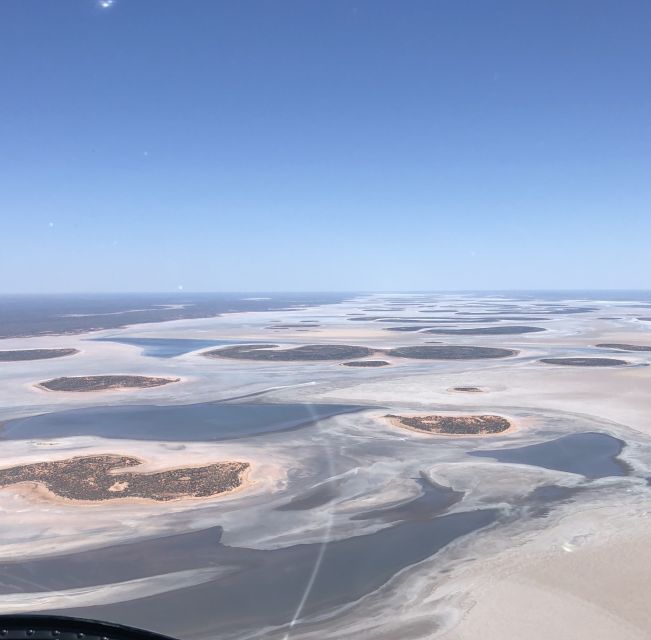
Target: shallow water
point(313, 497)
point(169, 347)
point(207, 421)
point(434, 499)
point(542, 500)
point(266, 587)
point(593, 455)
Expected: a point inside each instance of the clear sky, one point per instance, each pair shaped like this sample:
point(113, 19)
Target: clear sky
point(324, 144)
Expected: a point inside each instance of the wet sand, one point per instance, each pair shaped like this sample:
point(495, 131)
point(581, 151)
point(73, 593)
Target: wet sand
point(595, 587)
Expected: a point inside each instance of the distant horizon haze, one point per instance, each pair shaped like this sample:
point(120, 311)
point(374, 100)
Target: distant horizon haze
point(347, 292)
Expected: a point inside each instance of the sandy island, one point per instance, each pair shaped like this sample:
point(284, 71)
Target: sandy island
point(271, 352)
point(585, 362)
point(624, 347)
point(104, 477)
point(316, 352)
point(487, 331)
point(365, 363)
point(474, 425)
point(450, 352)
point(20, 355)
point(103, 383)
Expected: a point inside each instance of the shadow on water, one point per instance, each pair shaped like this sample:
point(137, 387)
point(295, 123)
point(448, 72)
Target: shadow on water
point(593, 455)
point(208, 421)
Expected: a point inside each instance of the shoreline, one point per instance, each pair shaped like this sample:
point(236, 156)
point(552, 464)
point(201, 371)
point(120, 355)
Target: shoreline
point(39, 491)
point(41, 385)
point(395, 422)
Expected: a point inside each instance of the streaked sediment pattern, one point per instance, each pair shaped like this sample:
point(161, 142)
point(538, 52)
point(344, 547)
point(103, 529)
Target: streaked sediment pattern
point(362, 483)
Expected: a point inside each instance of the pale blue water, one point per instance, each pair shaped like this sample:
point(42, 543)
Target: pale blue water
point(193, 422)
point(170, 347)
point(593, 455)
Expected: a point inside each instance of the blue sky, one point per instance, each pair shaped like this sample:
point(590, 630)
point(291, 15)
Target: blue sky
point(324, 145)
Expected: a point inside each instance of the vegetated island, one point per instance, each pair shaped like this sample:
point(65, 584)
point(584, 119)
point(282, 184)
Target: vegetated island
point(512, 318)
point(103, 383)
point(452, 425)
point(103, 477)
point(450, 352)
point(298, 325)
point(624, 347)
point(366, 363)
point(487, 331)
point(315, 352)
point(308, 352)
point(20, 355)
point(564, 311)
point(436, 321)
point(585, 362)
